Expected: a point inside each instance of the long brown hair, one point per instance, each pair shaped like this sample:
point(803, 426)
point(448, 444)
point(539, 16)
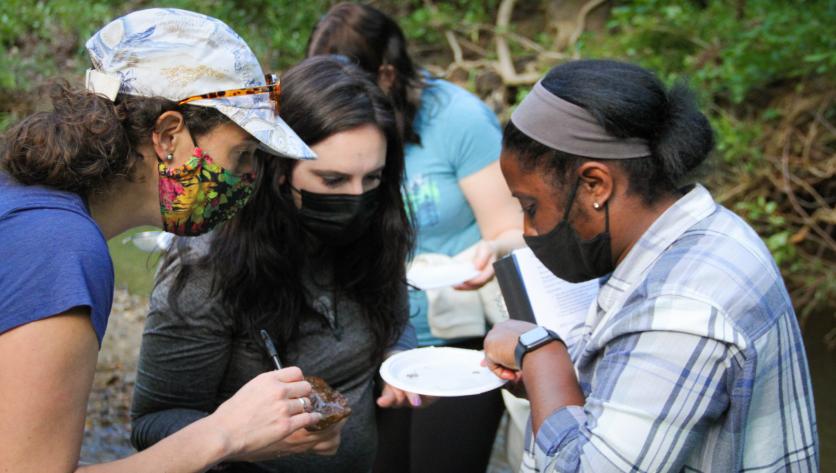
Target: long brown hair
point(372, 39)
point(259, 257)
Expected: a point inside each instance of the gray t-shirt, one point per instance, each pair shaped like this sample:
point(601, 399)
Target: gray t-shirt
point(194, 359)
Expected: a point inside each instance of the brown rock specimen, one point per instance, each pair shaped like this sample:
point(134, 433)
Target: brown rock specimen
point(327, 401)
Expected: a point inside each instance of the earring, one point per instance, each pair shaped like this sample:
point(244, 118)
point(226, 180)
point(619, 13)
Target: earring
point(596, 205)
point(170, 157)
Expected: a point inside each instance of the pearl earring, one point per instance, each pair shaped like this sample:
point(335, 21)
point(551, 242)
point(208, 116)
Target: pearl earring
point(170, 157)
point(596, 205)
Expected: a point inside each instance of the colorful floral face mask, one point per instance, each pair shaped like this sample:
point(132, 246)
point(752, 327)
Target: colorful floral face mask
point(199, 195)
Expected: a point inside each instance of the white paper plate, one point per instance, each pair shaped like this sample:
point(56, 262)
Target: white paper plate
point(150, 241)
point(433, 277)
point(439, 371)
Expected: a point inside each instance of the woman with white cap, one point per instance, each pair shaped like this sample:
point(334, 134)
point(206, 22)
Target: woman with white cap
point(175, 108)
point(316, 259)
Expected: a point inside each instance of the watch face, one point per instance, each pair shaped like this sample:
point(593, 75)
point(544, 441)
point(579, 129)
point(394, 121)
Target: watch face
point(533, 336)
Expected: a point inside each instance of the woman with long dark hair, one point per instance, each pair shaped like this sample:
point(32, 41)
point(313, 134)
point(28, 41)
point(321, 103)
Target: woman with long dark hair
point(690, 358)
point(316, 258)
point(461, 208)
point(149, 142)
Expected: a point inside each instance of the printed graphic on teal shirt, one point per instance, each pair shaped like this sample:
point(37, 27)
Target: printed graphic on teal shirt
point(459, 137)
point(423, 197)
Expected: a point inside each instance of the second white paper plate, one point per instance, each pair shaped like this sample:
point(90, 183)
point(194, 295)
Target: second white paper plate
point(439, 371)
point(433, 277)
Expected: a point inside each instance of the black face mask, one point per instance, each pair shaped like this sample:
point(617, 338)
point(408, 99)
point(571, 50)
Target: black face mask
point(337, 219)
point(569, 257)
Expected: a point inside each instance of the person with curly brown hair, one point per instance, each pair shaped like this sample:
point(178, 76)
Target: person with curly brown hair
point(175, 108)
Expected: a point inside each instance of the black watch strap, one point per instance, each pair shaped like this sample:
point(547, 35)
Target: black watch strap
point(532, 340)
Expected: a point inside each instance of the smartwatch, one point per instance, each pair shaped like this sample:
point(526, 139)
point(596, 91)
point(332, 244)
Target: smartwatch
point(532, 340)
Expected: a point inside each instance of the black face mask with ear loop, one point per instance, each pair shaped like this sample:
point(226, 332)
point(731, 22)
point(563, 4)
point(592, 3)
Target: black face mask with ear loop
point(569, 257)
point(337, 219)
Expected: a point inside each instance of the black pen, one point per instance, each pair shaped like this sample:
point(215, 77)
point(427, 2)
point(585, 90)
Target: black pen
point(271, 348)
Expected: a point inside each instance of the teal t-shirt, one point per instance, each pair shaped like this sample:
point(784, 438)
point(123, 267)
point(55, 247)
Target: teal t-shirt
point(460, 136)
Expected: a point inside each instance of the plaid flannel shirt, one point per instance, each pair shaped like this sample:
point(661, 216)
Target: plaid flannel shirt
point(691, 359)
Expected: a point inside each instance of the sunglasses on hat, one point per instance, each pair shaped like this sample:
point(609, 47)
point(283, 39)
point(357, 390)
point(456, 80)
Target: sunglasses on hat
point(273, 87)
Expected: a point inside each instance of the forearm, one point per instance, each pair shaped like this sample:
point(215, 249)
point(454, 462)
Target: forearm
point(549, 379)
point(195, 448)
point(150, 428)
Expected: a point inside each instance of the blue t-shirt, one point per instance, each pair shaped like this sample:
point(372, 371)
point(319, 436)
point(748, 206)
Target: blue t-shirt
point(53, 257)
point(460, 136)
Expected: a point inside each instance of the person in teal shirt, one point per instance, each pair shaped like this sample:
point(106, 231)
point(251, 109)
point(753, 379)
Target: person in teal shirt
point(460, 137)
point(458, 200)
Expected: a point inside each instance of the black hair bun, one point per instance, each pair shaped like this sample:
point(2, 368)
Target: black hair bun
point(685, 138)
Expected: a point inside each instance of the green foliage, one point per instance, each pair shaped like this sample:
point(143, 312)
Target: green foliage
point(23, 19)
point(45, 40)
point(738, 56)
point(276, 30)
point(736, 140)
point(765, 213)
point(426, 22)
point(727, 54)
point(36, 36)
point(730, 49)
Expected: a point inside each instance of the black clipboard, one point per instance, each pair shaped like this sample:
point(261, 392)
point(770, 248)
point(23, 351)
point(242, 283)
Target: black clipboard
point(513, 289)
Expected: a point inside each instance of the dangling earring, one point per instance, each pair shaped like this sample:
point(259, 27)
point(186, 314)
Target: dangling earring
point(170, 157)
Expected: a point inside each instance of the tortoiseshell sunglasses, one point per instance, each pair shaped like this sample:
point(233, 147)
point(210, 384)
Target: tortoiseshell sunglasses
point(273, 87)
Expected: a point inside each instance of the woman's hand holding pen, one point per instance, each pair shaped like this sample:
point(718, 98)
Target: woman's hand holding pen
point(257, 422)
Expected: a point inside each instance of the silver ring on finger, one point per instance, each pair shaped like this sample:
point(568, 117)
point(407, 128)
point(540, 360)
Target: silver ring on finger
point(304, 404)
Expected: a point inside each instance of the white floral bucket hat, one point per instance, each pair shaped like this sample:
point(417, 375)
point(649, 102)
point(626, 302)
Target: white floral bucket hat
point(191, 58)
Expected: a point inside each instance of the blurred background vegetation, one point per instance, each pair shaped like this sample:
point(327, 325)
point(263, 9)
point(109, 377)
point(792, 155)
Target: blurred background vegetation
point(763, 69)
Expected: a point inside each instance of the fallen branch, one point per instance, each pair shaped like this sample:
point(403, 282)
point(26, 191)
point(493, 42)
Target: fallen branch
point(809, 221)
point(505, 65)
point(473, 47)
point(580, 21)
point(515, 37)
point(458, 58)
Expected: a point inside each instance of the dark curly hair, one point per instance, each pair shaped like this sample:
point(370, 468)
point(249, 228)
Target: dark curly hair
point(87, 141)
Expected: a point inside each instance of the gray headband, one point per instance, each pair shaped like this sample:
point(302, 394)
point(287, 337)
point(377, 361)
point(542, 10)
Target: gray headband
point(567, 127)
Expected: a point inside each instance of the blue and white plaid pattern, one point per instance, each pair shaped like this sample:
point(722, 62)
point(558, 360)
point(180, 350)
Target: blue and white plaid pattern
point(691, 360)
